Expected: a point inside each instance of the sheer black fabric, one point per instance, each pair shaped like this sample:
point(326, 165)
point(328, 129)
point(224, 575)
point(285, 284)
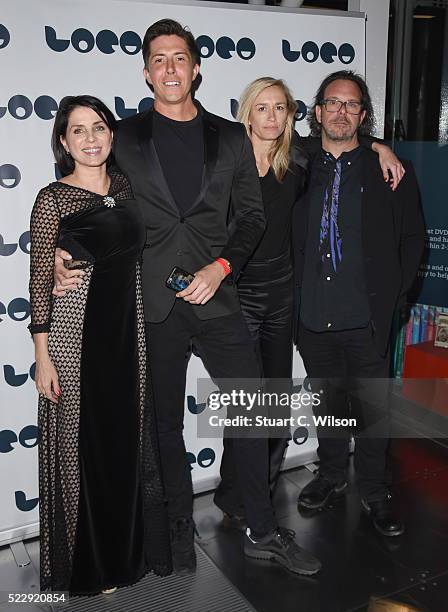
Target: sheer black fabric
point(102, 510)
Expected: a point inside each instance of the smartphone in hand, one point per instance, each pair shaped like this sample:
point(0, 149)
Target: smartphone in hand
point(179, 279)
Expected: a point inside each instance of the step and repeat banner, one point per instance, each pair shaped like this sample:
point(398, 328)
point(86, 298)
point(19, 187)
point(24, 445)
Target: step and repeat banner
point(53, 48)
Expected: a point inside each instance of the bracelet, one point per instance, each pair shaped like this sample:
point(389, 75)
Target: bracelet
point(225, 264)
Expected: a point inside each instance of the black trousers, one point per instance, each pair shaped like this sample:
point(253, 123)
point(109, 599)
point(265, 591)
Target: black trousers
point(227, 352)
point(353, 376)
point(265, 290)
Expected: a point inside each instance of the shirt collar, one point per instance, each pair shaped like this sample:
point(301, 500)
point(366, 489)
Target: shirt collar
point(346, 158)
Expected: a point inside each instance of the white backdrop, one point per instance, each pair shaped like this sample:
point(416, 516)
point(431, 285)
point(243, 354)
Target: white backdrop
point(52, 48)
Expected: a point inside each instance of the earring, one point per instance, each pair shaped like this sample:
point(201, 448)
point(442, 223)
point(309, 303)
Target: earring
point(68, 152)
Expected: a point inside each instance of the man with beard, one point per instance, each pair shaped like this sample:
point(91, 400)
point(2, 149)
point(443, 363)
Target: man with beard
point(359, 259)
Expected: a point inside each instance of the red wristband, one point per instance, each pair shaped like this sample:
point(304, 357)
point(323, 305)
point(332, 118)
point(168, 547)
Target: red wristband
point(225, 264)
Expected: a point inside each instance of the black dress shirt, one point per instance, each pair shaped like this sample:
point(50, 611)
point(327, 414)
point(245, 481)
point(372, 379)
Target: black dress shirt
point(335, 300)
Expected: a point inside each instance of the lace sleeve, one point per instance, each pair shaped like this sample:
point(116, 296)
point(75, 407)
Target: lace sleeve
point(45, 219)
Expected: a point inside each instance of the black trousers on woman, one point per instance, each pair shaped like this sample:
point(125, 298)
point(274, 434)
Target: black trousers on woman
point(266, 295)
point(266, 292)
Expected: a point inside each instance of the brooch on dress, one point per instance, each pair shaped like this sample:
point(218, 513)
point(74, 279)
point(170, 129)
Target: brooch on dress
point(108, 201)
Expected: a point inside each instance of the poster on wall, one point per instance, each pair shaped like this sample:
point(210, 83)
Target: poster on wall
point(428, 300)
point(430, 162)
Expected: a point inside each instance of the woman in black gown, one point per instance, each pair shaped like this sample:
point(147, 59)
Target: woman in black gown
point(102, 513)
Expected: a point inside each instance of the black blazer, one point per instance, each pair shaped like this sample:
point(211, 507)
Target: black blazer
point(226, 220)
point(393, 237)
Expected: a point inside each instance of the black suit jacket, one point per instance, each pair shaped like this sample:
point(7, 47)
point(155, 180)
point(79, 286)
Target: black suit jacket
point(393, 236)
point(226, 220)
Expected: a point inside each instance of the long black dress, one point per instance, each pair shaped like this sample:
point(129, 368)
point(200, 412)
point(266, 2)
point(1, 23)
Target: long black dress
point(102, 514)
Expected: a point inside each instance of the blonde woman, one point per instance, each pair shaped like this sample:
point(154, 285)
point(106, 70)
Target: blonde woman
point(266, 288)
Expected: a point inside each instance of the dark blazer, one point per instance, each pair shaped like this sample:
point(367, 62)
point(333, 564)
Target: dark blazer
point(393, 237)
point(226, 220)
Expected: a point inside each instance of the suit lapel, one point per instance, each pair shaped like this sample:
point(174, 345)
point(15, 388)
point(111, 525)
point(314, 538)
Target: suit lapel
point(152, 162)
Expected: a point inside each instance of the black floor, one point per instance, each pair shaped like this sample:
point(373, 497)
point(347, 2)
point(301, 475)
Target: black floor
point(359, 565)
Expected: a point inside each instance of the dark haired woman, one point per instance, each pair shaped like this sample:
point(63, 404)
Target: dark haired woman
point(101, 501)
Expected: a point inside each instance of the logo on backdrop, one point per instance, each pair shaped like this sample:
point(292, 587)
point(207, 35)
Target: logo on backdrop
point(300, 435)
point(84, 41)
point(193, 406)
point(28, 437)
point(21, 107)
point(311, 52)
point(24, 504)
point(18, 309)
point(9, 176)
point(5, 36)
point(206, 457)
point(300, 114)
point(8, 248)
point(225, 47)
point(122, 111)
point(108, 42)
point(17, 380)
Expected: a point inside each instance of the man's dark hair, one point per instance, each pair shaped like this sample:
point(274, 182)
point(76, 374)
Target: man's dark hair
point(66, 106)
point(367, 127)
point(169, 27)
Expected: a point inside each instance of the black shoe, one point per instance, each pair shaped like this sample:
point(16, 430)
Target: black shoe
point(384, 517)
point(234, 521)
point(319, 491)
point(281, 547)
point(182, 546)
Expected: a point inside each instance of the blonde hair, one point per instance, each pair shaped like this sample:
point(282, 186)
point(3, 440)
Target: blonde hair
point(279, 154)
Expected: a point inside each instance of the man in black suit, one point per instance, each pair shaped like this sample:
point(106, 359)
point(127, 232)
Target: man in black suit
point(195, 179)
point(357, 249)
